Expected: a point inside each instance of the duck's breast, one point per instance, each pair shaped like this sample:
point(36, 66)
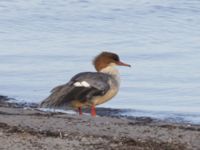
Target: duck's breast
point(114, 87)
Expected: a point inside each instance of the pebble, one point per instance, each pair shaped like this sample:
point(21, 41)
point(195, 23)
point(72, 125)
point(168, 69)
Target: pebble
point(83, 139)
point(113, 145)
point(1, 133)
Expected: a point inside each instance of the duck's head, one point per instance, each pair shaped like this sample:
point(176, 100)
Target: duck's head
point(106, 59)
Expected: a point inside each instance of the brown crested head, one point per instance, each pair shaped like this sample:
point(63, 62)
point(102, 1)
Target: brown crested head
point(106, 58)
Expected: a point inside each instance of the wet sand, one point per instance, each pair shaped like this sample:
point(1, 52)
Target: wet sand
point(29, 128)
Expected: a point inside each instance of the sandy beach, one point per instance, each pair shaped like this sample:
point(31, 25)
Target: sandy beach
point(29, 128)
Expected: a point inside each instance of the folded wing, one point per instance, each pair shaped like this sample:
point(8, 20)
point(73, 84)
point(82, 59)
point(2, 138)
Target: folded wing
point(82, 87)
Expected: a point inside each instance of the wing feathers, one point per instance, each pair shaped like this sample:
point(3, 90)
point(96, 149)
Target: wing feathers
point(82, 87)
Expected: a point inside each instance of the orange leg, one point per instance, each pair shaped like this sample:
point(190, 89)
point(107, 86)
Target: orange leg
point(93, 111)
point(80, 111)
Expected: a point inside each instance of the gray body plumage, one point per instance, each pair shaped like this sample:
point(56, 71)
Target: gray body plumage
point(98, 85)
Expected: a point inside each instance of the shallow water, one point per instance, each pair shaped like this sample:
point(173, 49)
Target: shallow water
point(44, 43)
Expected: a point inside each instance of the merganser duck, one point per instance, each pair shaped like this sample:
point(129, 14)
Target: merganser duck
point(88, 89)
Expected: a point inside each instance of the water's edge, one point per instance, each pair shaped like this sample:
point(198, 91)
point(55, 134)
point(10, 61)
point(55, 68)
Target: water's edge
point(139, 115)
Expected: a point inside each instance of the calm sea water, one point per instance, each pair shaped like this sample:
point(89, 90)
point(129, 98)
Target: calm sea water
point(43, 43)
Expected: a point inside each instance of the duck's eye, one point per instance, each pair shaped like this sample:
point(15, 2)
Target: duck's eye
point(116, 58)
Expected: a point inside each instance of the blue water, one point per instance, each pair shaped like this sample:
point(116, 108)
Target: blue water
point(43, 43)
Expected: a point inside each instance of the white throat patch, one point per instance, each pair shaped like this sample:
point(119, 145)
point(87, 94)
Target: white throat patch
point(110, 69)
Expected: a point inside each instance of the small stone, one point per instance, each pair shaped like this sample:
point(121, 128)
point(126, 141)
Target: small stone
point(1, 133)
point(100, 139)
point(83, 139)
point(91, 147)
point(113, 145)
point(115, 138)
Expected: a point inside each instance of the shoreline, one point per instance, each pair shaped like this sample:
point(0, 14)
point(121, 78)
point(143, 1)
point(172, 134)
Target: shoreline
point(34, 129)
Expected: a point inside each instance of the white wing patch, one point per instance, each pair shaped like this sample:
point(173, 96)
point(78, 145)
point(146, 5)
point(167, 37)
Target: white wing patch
point(77, 84)
point(82, 84)
point(85, 84)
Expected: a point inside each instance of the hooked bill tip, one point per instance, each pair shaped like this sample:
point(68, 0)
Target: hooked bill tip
point(123, 64)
